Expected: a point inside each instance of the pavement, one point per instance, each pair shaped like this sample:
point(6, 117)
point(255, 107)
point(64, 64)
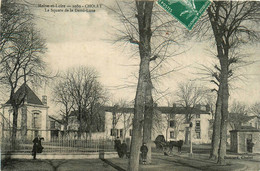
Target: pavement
point(184, 162)
point(176, 162)
point(56, 165)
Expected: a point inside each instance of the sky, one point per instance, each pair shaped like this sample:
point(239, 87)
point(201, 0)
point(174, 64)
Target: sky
point(81, 38)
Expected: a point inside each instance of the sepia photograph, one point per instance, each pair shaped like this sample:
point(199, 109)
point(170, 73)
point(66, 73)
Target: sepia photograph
point(129, 85)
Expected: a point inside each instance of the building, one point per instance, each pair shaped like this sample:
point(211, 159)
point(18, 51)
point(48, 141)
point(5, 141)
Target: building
point(56, 127)
point(33, 113)
point(168, 121)
point(245, 140)
point(239, 121)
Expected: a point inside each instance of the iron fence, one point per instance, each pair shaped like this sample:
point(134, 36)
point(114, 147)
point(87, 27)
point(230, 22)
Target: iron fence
point(59, 145)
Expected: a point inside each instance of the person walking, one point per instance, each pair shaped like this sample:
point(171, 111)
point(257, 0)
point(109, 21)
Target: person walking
point(37, 146)
point(144, 151)
point(124, 149)
point(118, 146)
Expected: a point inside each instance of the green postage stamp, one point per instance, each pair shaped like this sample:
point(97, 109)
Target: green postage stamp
point(186, 11)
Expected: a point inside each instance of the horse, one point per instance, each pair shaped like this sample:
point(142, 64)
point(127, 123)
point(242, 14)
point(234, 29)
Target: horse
point(169, 145)
point(162, 144)
point(178, 144)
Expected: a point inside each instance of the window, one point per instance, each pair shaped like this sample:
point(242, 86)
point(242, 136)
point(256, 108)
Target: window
point(197, 126)
point(197, 115)
point(52, 124)
point(36, 121)
point(172, 124)
point(121, 132)
point(197, 135)
point(130, 132)
point(116, 132)
point(172, 134)
point(197, 130)
point(112, 132)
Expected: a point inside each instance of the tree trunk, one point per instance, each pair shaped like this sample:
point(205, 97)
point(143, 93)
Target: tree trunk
point(138, 116)
point(14, 130)
point(187, 132)
point(148, 121)
point(24, 123)
point(144, 17)
point(224, 110)
point(223, 80)
point(216, 127)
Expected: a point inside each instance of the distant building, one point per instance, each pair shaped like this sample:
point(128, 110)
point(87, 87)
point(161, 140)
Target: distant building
point(168, 121)
point(56, 126)
point(245, 140)
point(241, 122)
point(34, 111)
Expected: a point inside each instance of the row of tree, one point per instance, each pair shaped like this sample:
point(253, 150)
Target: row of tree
point(230, 24)
point(156, 37)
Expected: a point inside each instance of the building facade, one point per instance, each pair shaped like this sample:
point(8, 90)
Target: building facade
point(33, 114)
point(245, 140)
point(168, 121)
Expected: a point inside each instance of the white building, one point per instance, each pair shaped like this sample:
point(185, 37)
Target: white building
point(168, 121)
point(34, 113)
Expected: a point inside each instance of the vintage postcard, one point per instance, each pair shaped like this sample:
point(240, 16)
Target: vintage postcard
point(104, 85)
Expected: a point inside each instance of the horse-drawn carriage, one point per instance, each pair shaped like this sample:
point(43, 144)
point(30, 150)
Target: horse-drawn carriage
point(167, 146)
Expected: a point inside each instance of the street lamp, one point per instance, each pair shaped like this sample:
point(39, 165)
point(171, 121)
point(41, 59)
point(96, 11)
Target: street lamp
point(191, 139)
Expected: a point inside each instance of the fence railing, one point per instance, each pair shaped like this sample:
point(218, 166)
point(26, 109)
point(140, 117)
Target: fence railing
point(60, 145)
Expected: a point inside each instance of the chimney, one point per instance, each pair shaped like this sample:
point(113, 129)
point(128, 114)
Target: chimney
point(174, 105)
point(44, 99)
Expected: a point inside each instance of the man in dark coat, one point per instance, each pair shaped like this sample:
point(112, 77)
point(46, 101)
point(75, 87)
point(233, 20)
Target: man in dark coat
point(144, 151)
point(118, 146)
point(37, 146)
point(123, 149)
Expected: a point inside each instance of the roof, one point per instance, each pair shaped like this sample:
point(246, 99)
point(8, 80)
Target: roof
point(31, 97)
point(118, 109)
point(246, 129)
point(51, 117)
point(162, 109)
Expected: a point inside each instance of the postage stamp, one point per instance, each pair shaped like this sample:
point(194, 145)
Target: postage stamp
point(185, 11)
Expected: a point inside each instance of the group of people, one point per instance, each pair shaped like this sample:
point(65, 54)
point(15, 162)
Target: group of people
point(122, 150)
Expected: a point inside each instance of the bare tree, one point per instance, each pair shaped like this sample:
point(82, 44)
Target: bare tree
point(151, 32)
point(230, 24)
point(122, 113)
point(85, 95)
point(21, 60)
point(63, 98)
point(255, 109)
point(190, 95)
point(238, 115)
point(14, 16)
